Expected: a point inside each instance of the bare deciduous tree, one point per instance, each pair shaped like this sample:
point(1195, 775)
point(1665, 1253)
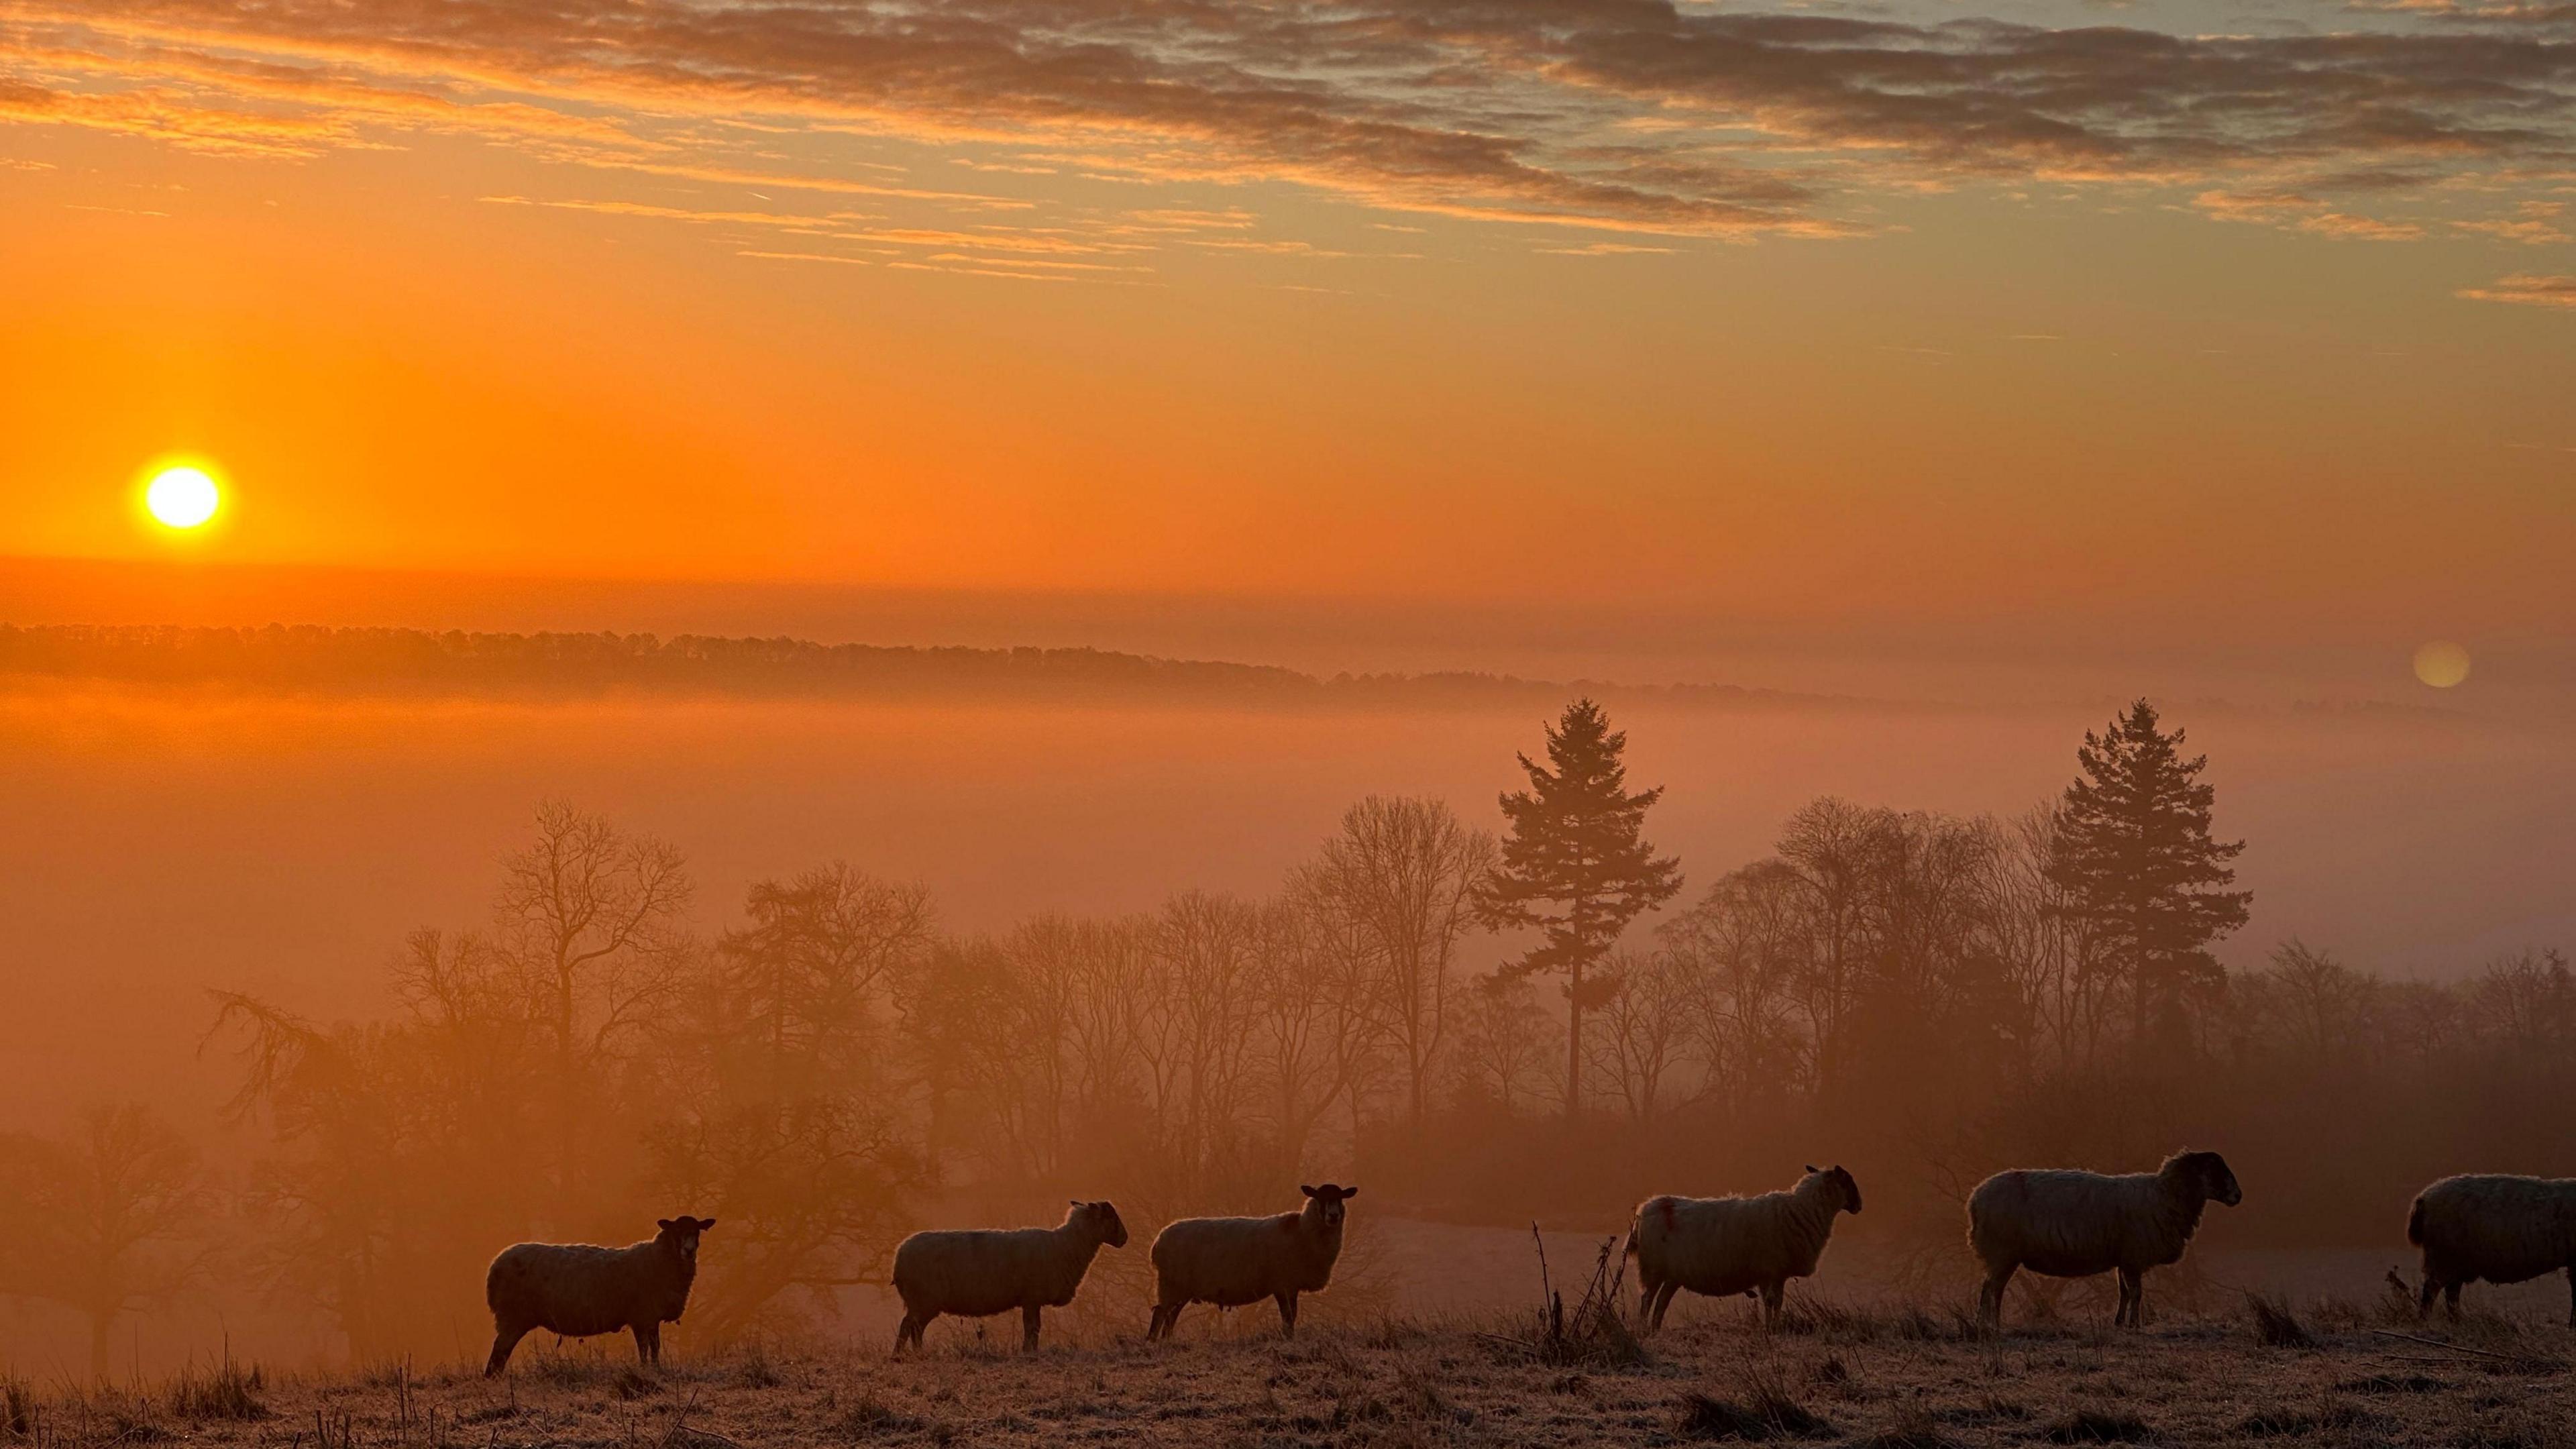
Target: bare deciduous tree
point(1403, 873)
point(106, 1220)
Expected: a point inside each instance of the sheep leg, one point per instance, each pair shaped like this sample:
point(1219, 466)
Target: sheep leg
point(2424, 1300)
point(1288, 1315)
point(2133, 1299)
point(909, 1331)
point(1990, 1298)
point(1771, 1296)
point(1029, 1327)
point(1167, 1316)
point(505, 1341)
point(1645, 1296)
point(1663, 1300)
point(2451, 1301)
point(2571, 1295)
point(648, 1343)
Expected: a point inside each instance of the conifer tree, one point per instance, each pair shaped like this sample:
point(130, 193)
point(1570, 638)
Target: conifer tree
point(1575, 866)
point(2135, 855)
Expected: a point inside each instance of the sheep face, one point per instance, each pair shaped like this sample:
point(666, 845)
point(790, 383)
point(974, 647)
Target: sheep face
point(1103, 1221)
point(681, 1233)
point(1325, 1203)
point(1850, 1189)
point(1846, 1189)
point(2209, 1172)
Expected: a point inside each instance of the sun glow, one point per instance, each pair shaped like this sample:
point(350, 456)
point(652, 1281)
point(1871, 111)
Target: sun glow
point(182, 497)
point(2442, 664)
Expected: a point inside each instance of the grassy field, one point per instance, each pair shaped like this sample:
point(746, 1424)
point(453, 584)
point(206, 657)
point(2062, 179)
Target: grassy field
point(2326, 1373)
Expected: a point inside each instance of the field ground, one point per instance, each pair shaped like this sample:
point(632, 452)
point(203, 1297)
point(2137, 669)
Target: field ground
point(1887, 1376)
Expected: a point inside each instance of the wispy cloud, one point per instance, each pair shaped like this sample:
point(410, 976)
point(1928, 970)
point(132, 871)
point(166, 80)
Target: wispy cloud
point(2361, 228)
point(1633, 116)
point(2526, 290)
point(1607, 249)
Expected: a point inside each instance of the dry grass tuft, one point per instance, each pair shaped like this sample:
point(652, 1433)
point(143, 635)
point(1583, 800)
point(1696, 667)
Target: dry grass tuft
point(226, 1391)
point(17, 1409)
point(1913, 1429)
point(2099, 1426)
point(1703, 1417)
point(873, 1418)
point(2275, 1325)
point(1594, 1335)
point(1765, 1409)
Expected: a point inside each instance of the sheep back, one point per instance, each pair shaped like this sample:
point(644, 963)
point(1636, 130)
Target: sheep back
point(2495, 1226)
point(1234, 1261)
point(1727, 1245)
point(974, 1273)
point(578, 1290)
point(2071, 1224)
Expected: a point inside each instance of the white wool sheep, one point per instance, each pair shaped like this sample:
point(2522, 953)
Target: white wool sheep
point(1723, 1246)
point(2495, 1226)
point(578, 1290)
point(2070, 1224)
point(1234, 1261)
point(978, 1273)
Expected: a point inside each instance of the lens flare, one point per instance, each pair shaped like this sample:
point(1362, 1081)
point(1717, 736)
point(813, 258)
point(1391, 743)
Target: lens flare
point(183, 497)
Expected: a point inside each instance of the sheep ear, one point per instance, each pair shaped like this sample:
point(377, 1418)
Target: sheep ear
point(665, 1224)
point(1811, 1167)
point(1350, 1192)
point(705, 1223)
point(1308, 1191)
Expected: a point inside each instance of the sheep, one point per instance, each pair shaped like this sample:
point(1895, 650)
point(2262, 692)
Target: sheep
point(578, 1290)
point(1723, 1246)
point(2494, 1226)
point(2070, 1224)
point(1234, 1261)
point(978, 1273)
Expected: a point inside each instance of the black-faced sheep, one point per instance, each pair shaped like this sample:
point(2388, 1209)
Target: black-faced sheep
point(2501, 1228)
point(1723, 1246)
point(1234, 1261)
point(979, 1272)
point(578, 1290)
point(2070, 1224)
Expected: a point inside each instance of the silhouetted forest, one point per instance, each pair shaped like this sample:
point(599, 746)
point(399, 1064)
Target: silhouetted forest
point(1923, 998)
point(312, 658)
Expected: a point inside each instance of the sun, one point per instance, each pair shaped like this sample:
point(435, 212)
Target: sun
point(183, 497)
point(2442, 664)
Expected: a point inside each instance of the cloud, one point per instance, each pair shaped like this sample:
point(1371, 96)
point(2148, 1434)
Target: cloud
point(1634, 116)
point(2360, 228)
point(2534, 223)
point(1607, 249)
point(2528, 291)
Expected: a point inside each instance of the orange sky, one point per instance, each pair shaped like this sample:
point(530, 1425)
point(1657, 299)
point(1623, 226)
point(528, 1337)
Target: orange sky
point(2250, 318)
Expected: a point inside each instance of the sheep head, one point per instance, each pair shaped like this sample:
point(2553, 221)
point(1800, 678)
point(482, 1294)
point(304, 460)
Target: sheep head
point(1102, 1219)
point(2208, 1173)
point(1850, 1187)
point(682, 1234)
point(1844, 1187)
point(1324, 1204)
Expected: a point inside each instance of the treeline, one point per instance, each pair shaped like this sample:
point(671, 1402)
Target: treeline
point(1922, 998)
point(312, 658)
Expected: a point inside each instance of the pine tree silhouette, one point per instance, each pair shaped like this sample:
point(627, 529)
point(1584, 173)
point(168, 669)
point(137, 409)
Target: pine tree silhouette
point(1575, 866)
point(2136, 854)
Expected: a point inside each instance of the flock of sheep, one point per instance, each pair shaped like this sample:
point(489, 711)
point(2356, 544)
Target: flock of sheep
point(2062, 1223)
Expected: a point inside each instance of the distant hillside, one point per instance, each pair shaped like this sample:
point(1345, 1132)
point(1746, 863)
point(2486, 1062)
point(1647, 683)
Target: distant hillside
point(312, 659)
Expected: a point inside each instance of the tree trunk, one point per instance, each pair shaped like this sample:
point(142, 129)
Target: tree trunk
point(1574, 1041)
